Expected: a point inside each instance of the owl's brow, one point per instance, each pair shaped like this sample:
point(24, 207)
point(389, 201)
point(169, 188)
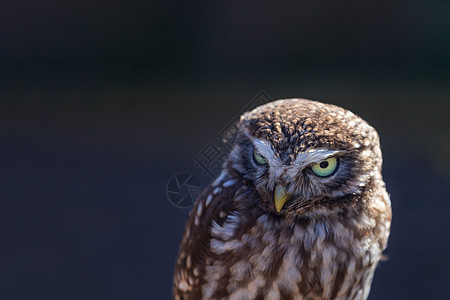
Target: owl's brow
point(314, 156)
point(303, 159)
point(309, 157)
point(263, 147)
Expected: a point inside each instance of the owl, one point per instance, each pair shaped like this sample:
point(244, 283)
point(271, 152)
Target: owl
point(299, 211)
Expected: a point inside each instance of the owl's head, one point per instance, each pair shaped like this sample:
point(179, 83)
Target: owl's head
point(304, 157)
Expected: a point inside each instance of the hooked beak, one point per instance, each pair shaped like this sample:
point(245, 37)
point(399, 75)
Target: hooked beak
point(280, 197)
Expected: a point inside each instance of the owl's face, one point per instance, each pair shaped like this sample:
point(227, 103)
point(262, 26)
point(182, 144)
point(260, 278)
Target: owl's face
point(304, 157)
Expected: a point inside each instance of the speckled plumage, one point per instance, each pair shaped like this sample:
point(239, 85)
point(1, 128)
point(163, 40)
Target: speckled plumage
point(328, 237)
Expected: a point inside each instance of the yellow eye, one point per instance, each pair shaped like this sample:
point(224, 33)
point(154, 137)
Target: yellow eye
point(325, 167)
point(260, 160)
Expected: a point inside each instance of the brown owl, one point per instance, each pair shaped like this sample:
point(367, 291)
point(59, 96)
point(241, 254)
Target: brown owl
point(300, 210)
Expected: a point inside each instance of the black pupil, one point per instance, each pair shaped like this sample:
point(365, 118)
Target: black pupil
point(324, 164)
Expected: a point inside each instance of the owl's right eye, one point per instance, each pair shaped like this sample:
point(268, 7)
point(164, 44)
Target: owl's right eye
point(259, 159)
point(326, 167)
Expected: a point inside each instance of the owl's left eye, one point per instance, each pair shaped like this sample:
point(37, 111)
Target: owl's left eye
point(260, 160)
point(326, 167)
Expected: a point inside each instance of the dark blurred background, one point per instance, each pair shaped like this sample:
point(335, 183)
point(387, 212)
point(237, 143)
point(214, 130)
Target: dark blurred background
point(102, 102)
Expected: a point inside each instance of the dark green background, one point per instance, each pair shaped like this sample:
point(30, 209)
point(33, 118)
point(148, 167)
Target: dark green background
point(102, 102)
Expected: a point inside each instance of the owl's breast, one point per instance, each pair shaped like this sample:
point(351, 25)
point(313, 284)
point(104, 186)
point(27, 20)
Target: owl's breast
point(313, 259)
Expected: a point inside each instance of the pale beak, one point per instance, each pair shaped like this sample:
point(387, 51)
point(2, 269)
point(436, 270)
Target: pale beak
point(280, 197)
